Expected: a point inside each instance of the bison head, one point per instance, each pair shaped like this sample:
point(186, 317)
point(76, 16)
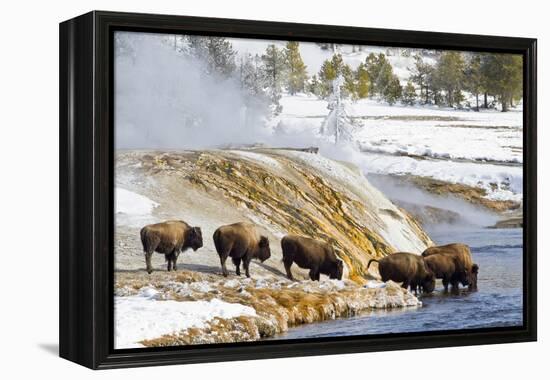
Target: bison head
point(337, 271)
point(428, 284)
point(264, 252)
point(464, 276)
point(473, 277)
point(195, 238)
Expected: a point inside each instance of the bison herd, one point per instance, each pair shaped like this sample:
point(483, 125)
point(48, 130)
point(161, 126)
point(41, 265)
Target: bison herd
point(452, 263)
point(242, 242)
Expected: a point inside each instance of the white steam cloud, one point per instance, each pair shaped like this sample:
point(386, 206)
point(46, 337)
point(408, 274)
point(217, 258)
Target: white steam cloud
point(165, 100)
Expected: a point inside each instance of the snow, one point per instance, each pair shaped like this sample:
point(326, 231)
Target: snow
point(257, 158)
point(143, 317)
point(481, 149)
point(372, 284)
point(133, 209)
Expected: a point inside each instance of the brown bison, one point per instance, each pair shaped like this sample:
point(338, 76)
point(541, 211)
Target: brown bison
point(466, 271)
point(171, 238)
point(243, 243)
point(446, 267)
point(407, 268)
point(311, 254)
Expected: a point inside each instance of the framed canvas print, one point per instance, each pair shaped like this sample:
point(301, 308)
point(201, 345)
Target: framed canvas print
point(237, 189)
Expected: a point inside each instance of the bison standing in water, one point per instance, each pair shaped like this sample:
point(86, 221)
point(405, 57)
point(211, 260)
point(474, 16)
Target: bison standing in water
point(311, 254)
point(241, 242)
point(407, 268)
point(465, 269)
point(171, 238)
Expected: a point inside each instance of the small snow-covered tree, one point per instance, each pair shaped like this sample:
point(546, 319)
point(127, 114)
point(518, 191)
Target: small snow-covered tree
point(274, 71)
point(337, 124)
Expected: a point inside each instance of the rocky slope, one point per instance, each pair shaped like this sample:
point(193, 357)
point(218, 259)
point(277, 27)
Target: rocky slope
point(281, 191)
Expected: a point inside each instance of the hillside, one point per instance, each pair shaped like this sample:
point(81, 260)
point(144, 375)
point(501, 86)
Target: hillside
point(281, 191)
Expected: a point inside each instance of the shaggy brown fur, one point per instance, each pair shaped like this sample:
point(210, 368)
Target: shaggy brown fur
point(466, 271)
point(407, 268)
point(241, 242)
point(170, 238)
point(311, 254)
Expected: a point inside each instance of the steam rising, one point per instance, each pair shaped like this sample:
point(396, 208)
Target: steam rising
point(164, 99)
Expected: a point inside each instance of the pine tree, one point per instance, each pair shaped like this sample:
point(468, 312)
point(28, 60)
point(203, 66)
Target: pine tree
point(314, 86)
point(216, 52)
point(393, 90)
point(274, 73)
point(362, 78)
point(256, 99)
point(328, 73)
point(421, 75)
point(380, 73)
point(449, 75)
point(409, 94)
point(474, 77)
point(297, 74)
point(504, 77)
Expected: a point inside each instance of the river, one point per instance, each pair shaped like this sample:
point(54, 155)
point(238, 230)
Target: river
point(497, 303)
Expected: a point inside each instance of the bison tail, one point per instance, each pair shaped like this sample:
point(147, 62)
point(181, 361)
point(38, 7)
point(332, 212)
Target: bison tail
point(370, 261)
point(144, 241)
point(217, 242)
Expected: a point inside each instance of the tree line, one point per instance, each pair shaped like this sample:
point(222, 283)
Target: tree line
point(443, 80)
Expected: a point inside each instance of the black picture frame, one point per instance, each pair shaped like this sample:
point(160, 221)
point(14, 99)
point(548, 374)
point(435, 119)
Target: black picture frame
point(86, 188)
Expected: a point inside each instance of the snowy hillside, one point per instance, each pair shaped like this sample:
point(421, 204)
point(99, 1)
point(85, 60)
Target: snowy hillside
point(478, 149)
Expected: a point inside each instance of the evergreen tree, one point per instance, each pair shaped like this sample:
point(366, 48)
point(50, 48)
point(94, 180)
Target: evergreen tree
point(348, 86)
point(297, 74)
point(393, 90)
point(362, 78)
point(504, 77)
point(449, 75)
point(474, 77)
point(380, 73)
point(314, 86)
point(421, 75)
point(409, 94)
point(216, 52)
point(256, 99)
point(274, 73)
point(329, 71)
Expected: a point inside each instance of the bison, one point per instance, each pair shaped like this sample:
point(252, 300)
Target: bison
point(243, 243)
point(407, 268)
point(446, 267)
point(171, 238)
point(466, 271)
point(311, 254)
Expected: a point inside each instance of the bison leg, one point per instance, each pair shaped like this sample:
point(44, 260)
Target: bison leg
point(148, 262)
point(168, 259)
point(246, 264)
point(237, 263)
point(175, 260)
point(288, 264)
point(222, 262)
point(405, 284)
point(446, 284)
point(314, 275)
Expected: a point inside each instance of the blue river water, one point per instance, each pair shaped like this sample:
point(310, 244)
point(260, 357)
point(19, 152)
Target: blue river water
point(497, 303)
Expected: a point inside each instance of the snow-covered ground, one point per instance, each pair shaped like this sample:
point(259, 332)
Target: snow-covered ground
point(133, 209)
point(481, 149)
point(147, 316)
